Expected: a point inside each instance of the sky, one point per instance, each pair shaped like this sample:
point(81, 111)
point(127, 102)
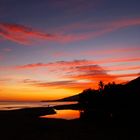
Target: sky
point(50, 49)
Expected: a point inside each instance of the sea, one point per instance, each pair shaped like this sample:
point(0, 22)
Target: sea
point(19, 105)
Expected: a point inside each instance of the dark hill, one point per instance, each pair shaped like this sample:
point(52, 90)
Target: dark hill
point(131, 87)
point(135, 82)
point(70, 98)
point(67, 99)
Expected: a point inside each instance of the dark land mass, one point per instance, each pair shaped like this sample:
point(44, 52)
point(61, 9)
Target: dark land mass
point(71, 98)
point(112, 113)
point(22, 125)
point(69, 106)
point(67, 99)
point(132, 86)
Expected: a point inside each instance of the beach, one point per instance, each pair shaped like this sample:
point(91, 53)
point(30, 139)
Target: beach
point(25, 124)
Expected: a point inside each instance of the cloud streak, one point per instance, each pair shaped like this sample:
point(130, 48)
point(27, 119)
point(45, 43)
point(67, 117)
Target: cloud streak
point(95, 29)
point(86, 71)
point(91, 52)
point(21, 34)
point(25, 35)
point(80, 81)
point(55, 64)
point(77, 63)
point(65, 84)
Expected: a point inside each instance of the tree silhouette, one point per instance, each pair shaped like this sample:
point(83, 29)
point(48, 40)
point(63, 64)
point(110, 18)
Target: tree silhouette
point(101, 86)
point(115, 101)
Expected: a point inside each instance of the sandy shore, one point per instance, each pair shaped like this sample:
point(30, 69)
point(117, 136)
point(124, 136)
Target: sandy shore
point(24, 124)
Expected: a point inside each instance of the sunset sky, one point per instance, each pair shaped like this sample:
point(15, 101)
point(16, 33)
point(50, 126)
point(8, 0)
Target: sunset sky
point(51, 49)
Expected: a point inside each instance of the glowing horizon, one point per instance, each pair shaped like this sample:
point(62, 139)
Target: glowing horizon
point(55, 49)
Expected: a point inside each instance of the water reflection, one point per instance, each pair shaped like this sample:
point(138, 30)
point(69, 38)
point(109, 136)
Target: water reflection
point(18, 105)
point(64, 114)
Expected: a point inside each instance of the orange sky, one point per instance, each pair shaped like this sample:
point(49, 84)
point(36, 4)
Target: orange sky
point(27, 82)
point(57, 48)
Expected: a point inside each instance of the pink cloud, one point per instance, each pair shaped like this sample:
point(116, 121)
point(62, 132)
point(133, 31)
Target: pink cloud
point(81, 81)
point(80, 73)
point(104, 77)
point(122, 68)
point(28, 66)
point(26, 35)
point(85, 69)
point(96, 73)
point(21, 34)
point(55, 64)
point(66, 84)
point(77, 63)
point(106, 68)
point(114, 51)
point(118, 60)
point(96, 29)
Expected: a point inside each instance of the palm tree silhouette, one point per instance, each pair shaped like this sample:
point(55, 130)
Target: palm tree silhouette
point(101, 85)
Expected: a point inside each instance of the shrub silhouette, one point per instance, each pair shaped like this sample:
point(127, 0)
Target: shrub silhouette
point(112, 100)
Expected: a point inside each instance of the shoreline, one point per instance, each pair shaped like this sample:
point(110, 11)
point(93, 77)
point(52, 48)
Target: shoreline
point(25, 124)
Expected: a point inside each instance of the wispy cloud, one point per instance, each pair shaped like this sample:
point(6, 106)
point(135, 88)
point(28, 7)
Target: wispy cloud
point(21, 34)
point(137, 59)
point(27, 81)
point(86, 78)
point(117, 49)
point(5, 80)
point(57, 84)
point(87, 71)
point(55, 64)
point(93, 30)
point(97, 76)
point(77, 63)
point(106, 68)
point(25, 35)
point(65, 84)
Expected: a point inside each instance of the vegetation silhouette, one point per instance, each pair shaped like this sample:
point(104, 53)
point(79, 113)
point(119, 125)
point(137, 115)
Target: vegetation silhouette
point(112, 103)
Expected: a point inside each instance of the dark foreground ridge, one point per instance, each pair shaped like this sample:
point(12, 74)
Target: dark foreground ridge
point(24, 124)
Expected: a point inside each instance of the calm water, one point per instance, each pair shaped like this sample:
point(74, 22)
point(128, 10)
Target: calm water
point(18, 105)
point(64, 114)
point(61, 114)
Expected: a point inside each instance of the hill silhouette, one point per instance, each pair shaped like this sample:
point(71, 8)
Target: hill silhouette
point(66, 99)
point(131, 86)
point(135, 82)
point(134, 85)
point(116, 102)
point(70, 98)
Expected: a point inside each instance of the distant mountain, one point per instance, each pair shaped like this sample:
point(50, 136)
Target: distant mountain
point(70, 98)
